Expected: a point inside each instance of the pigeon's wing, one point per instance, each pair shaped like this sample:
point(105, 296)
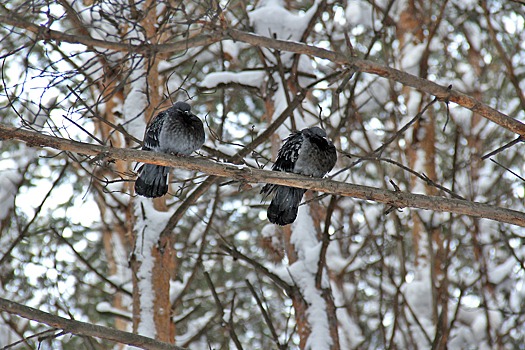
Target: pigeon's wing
point(286, 158)
point(289, 153)
point(151, 139)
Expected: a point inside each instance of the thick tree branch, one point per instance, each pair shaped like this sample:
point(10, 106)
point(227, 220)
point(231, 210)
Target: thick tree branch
point(83, 328)
point(44, 33)
point(396, 199)
point(443, 93)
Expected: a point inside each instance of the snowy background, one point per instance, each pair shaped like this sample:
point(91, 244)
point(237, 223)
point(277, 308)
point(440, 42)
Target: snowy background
point(406, 279)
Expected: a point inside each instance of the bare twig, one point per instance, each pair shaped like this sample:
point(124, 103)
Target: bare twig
point(502, 148)
point(236, 254)
point(266, 316)
point(88, 264)
point(25, 230)
point(220, 310)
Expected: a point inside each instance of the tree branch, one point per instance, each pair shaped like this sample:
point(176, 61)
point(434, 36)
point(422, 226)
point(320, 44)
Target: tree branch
point(44, 33)
point(443, 93)
point(397, 199)
point(83, 328)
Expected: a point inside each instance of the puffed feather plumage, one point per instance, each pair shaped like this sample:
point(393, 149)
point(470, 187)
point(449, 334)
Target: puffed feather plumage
point(306, 152)
point(174, 131)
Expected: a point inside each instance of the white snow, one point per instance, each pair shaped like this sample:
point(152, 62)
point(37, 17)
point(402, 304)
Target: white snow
point(475, 34)
point(462, 117)
point(149, 221)
point(10, 175)
point(269, 231)
point(194, 328)
point(271, 19)
point(371, 93)
point(123, 273)
point(253, 78)
point(418, 294)
point(474, 322)
point(7, 334)
point(233, 48)
point(176, 287)
point(304, 236)
point(9, 182)
point(466, 5)
point(303, 272)
point(413, 103)
point(108, 308)
point(350, 334)
point(411, 57)
point(359, 13)
point(334, 260)
point(147, 231)
point(302, 120)
point(460, 338)
point(501, 272)
point(136, 101)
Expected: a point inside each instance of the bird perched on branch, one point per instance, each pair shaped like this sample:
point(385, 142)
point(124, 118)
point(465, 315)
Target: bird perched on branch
point(175, 131)
point(306, 152)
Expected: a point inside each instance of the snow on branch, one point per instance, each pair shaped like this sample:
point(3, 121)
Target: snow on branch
point(396, 199)
point(246, 78)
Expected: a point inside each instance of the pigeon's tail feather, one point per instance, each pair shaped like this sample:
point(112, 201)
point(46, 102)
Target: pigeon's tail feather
point(152, 181)
point(283, 208)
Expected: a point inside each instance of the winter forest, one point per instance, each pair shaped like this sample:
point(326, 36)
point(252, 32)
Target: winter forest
point(414, 240)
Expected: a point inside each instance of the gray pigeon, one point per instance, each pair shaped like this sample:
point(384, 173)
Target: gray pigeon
point(306, 152)
point(174, 131)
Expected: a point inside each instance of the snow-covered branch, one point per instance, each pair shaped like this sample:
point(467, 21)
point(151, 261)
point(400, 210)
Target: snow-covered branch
point(397, 199)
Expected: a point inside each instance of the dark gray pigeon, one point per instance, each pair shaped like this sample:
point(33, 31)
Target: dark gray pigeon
point(306, 152)
point(174, 131)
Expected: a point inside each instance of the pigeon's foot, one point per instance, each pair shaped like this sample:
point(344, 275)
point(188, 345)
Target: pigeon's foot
point(177, 154)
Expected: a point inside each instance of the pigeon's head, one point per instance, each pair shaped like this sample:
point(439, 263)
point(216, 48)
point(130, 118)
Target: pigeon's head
point(182, 107)
point(315, 131)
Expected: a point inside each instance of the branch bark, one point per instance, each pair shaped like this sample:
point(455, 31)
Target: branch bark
point(83, 328)
point(396, 199)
